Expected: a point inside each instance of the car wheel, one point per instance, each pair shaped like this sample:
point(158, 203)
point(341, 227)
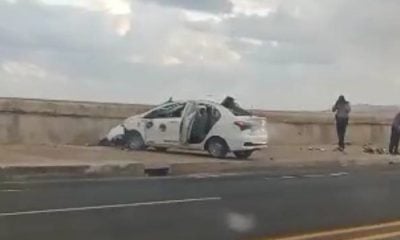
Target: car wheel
point(161, 149)
point(217, 148)
point(243, 154)
point(134, 141)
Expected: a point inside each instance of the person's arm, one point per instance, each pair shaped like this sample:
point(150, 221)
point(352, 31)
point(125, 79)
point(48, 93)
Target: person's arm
point(348, 108)
point(396, 122)
point(334, 108)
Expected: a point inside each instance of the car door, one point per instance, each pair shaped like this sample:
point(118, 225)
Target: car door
point(163, 124)
point(172, 125)
point(188, 117)
point(154, 134)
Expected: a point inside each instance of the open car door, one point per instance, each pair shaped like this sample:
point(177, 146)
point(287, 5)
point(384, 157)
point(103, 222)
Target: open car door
point(188, 118)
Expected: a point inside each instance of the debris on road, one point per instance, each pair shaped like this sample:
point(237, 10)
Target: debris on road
point(373, 150)
point(116, 137)
point(316, 149)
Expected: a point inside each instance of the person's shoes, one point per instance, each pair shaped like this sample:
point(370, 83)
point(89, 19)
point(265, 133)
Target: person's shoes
point(340, 149)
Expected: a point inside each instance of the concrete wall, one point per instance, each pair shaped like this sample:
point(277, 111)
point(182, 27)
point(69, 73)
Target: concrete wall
point(319, 128)
point(29, 121)
point(321, 133)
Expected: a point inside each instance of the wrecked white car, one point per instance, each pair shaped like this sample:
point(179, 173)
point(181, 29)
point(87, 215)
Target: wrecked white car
point(198, 125)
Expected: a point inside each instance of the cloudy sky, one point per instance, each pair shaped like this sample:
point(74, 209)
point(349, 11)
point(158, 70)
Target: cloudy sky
point(275, 54)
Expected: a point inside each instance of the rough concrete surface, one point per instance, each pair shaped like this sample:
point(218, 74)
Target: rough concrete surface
point(59, 160)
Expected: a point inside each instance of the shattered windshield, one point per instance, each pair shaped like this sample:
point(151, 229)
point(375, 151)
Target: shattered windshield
point(172, 110)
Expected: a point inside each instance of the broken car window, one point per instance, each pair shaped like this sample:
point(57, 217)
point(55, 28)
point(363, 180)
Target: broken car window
point(167, 111)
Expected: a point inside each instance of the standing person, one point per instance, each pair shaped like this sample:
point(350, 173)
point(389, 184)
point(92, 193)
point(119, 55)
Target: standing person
point(395, 136)
point(229, 102)
point(342, 109)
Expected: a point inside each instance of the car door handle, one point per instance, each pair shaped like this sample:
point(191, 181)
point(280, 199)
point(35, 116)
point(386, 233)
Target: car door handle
point(173, 121)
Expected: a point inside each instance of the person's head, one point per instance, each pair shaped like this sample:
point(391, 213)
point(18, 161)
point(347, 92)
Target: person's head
point(228, 102)
point(341, 100)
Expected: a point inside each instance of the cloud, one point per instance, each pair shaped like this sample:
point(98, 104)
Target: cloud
point(115, 7)
point(260, 8)
point(277, 54)
point(332, 47)
point(216, 6)
point(86, 48)
point(34, 26)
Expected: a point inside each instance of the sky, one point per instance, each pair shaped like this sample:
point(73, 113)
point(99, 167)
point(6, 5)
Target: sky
point(270, 54)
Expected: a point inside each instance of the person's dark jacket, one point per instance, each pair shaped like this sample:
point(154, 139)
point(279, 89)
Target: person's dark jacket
point(342, 109)
point(396, 122)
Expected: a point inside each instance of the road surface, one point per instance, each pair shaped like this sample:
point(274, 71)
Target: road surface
point(206, 206)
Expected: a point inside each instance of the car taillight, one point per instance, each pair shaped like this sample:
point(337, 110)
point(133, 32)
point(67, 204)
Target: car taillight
point(243, 125)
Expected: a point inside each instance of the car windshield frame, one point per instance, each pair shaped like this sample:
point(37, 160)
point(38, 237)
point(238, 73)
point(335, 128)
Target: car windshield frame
point(166, 108)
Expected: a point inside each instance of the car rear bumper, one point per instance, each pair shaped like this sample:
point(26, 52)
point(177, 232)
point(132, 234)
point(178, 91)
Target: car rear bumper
point(249, 143)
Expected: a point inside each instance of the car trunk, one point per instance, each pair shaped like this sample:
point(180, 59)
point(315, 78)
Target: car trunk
point(255, 124)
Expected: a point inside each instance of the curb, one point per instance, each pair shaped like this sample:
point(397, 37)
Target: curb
point(179, 169)
point(66, 171)
point(238, 167)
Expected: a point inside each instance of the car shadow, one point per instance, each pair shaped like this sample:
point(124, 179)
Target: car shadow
point(195, 154)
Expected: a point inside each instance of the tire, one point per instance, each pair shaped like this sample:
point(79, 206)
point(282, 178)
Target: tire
point(134, 141)
point(217, 148)
point(161, 149)
point(243, 154)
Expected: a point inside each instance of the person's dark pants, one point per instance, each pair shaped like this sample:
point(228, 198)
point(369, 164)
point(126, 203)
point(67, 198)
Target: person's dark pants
point(394, 141)
point(341, 126)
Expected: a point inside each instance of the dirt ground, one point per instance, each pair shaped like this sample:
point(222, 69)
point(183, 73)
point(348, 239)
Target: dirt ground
point(40, 155)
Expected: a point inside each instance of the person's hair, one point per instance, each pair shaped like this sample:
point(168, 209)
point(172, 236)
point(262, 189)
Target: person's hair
point(341, 100)
point(228, 102)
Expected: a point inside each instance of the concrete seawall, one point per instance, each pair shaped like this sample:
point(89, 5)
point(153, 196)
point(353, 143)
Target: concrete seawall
point(29, 121)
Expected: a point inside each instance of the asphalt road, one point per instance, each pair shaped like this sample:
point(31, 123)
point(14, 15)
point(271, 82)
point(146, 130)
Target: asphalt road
point(198, 206)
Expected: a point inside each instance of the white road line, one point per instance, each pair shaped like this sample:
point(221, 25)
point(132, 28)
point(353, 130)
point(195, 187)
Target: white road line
point(10, 190)
point(381, 236)
point(336, 174)
point(213, 175)
point(204, 175)
point(287, 177)
point(100, 207)
point(339, 174)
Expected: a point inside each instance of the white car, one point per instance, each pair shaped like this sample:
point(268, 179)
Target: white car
point(196, 125)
